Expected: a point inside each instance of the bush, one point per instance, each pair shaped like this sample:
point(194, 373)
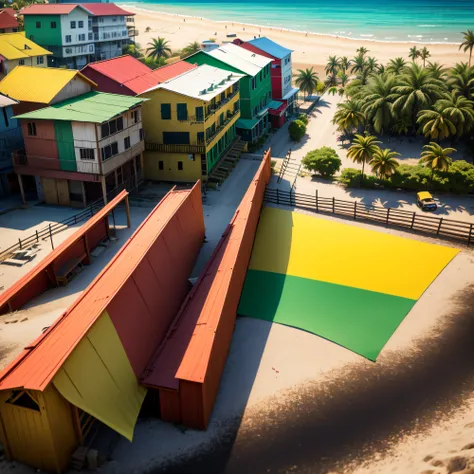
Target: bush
point(323, 161)
point(320, 87)
point(303, 118)
point(297, 129)
point(350, 177)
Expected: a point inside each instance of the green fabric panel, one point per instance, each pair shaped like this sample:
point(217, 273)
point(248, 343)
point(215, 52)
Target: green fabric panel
point(44, 36)
point(360, 320)
point(65, 142)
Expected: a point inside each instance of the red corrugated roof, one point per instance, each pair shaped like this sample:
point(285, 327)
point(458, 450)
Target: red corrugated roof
point(51, 9)
point(106, 9)
point(135, 75)
point(38, 364)
point(7, 18)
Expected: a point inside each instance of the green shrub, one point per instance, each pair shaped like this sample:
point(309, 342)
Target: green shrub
point(297, 129)
point(350, 177)
point(303, 118)
point(323, 161)
point(320, 87)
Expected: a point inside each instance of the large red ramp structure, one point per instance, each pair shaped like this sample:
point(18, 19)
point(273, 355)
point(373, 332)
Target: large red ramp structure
point(188, 365)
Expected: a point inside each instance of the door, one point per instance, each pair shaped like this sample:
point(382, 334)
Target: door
point(65, 141)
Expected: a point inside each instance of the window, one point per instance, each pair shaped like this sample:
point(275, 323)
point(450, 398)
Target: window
point(109, 150)
point(53, 24)
point(5, 116)
point(104, 132)
point(176, 138)
point(221, 119)
point(80, 24)
point(112, 127)
point(87, 153)
point(91, 47)
point(40, 60)
point(182, 110)
point(101, 19)
point(254, 83)
point(135, 116)
point(120, 123)
point(126, 143)
point(114, 146)
point(68, 38)
point(81, 37)
point(180, 166)
point(199, 114)
point(73, 25)
point(200, 138)
point(161, 165)
point(21, 62)
point(166, 111)
point(68, 50)
point(21, 398)
point(38, 24)
point(31, 129)
point(141, 134)
point(89, 36)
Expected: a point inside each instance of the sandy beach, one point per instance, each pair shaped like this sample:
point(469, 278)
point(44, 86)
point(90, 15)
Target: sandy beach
point(309, 49)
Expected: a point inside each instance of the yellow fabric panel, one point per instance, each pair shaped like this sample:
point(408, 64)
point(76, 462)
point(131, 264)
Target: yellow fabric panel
point(309, 247)
point(12, 46)
point(98, 378)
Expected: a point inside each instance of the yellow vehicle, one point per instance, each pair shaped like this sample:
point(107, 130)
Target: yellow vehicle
point(425, 201)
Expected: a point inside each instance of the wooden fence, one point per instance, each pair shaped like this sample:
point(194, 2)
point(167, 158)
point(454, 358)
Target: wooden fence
point(425, 223)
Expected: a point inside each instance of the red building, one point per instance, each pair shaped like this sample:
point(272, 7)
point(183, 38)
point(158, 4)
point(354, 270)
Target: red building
point(127, 75)
point(8, 21)
point(281, 73)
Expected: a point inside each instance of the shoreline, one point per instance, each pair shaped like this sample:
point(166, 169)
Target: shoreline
point(309, 49)
point(289, 30)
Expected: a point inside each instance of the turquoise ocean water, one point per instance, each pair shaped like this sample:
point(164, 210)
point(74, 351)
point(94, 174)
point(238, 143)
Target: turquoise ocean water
point(424, 21)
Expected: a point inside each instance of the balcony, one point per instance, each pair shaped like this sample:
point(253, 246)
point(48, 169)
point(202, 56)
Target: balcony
point(130, 20)
point(132, 32)
point(213, 108)
point(115, 161)
point(230, 116)
point(195, 147)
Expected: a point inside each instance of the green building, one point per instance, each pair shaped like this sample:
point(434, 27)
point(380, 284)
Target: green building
point(255, 86)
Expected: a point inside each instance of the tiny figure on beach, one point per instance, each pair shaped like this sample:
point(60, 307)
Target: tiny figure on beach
point(254, 37)
point(226, 27)
point(243, 29)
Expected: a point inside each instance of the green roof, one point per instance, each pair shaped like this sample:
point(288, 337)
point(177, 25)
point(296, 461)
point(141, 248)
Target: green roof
point(246, 124)
point(96, 107)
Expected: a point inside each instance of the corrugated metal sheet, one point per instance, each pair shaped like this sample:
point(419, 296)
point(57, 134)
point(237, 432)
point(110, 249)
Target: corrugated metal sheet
point(33, 283)
point(7, 18)
point(95, 107)
point(38, 84)
point(40, 362)
point(51, 9)
point(270, 47)
point(106, 9)
point(17, 46)
point(196, 346)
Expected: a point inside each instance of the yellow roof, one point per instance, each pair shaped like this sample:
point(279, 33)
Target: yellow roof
point(38, 84)
point(424, 195)
point(17, 46)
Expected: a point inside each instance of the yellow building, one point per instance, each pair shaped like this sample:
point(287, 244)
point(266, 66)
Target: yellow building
point(189, 124)
point(17, 50)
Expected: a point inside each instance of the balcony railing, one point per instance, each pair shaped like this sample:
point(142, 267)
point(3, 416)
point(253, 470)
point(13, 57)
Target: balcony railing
point(132, 32)
point(229, 117)
point(213, 108)
point(195, 147)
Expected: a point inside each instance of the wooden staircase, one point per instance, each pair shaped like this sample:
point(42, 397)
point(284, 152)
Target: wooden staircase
point(227, 163)
point(290, 168)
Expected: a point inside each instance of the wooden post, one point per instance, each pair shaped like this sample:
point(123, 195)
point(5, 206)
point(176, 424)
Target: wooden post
point(439, 226)
point(19, 242)
point(469, 238)
point(333, 205)
point(355, 210)
point(413, 220)
point(51, 237)
point(22, 190)
point(317, 204)
point(37, 236)
point(104, 189)
point(388, 216)
point(127, 210)
point(84, 199)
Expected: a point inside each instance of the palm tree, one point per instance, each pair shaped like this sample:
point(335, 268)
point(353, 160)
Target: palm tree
point(461, 79)
point(191, 48)
point(416, 90)
point(435, 125)
point(372, 64)
point(384, 163)
point(459, 110)
point(362, 51)
point(414, 53)
point(468, 43)
point(362, 150)
point(401, 126)
point(307, 80)
point(424, 55)
point(358, 64)
point(332, 66)
point(349, 116)
point(396, 66)
point(158, 48)
point(437, 70)
point(343, 78)
point(381, 69)
point(133, 50)
point(436, 158)
point(378, 102)
point(344, 63)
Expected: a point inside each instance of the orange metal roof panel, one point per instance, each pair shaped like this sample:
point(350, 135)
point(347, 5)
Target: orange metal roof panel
point(186, 351)
point(37, 365)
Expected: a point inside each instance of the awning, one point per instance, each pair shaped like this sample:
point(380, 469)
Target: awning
point(246, 124)
point(263, 111)
point(98, 378)
point(290, 94)
point(277, 108)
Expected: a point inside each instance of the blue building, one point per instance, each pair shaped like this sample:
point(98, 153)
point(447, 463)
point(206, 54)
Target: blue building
point(11, 139)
